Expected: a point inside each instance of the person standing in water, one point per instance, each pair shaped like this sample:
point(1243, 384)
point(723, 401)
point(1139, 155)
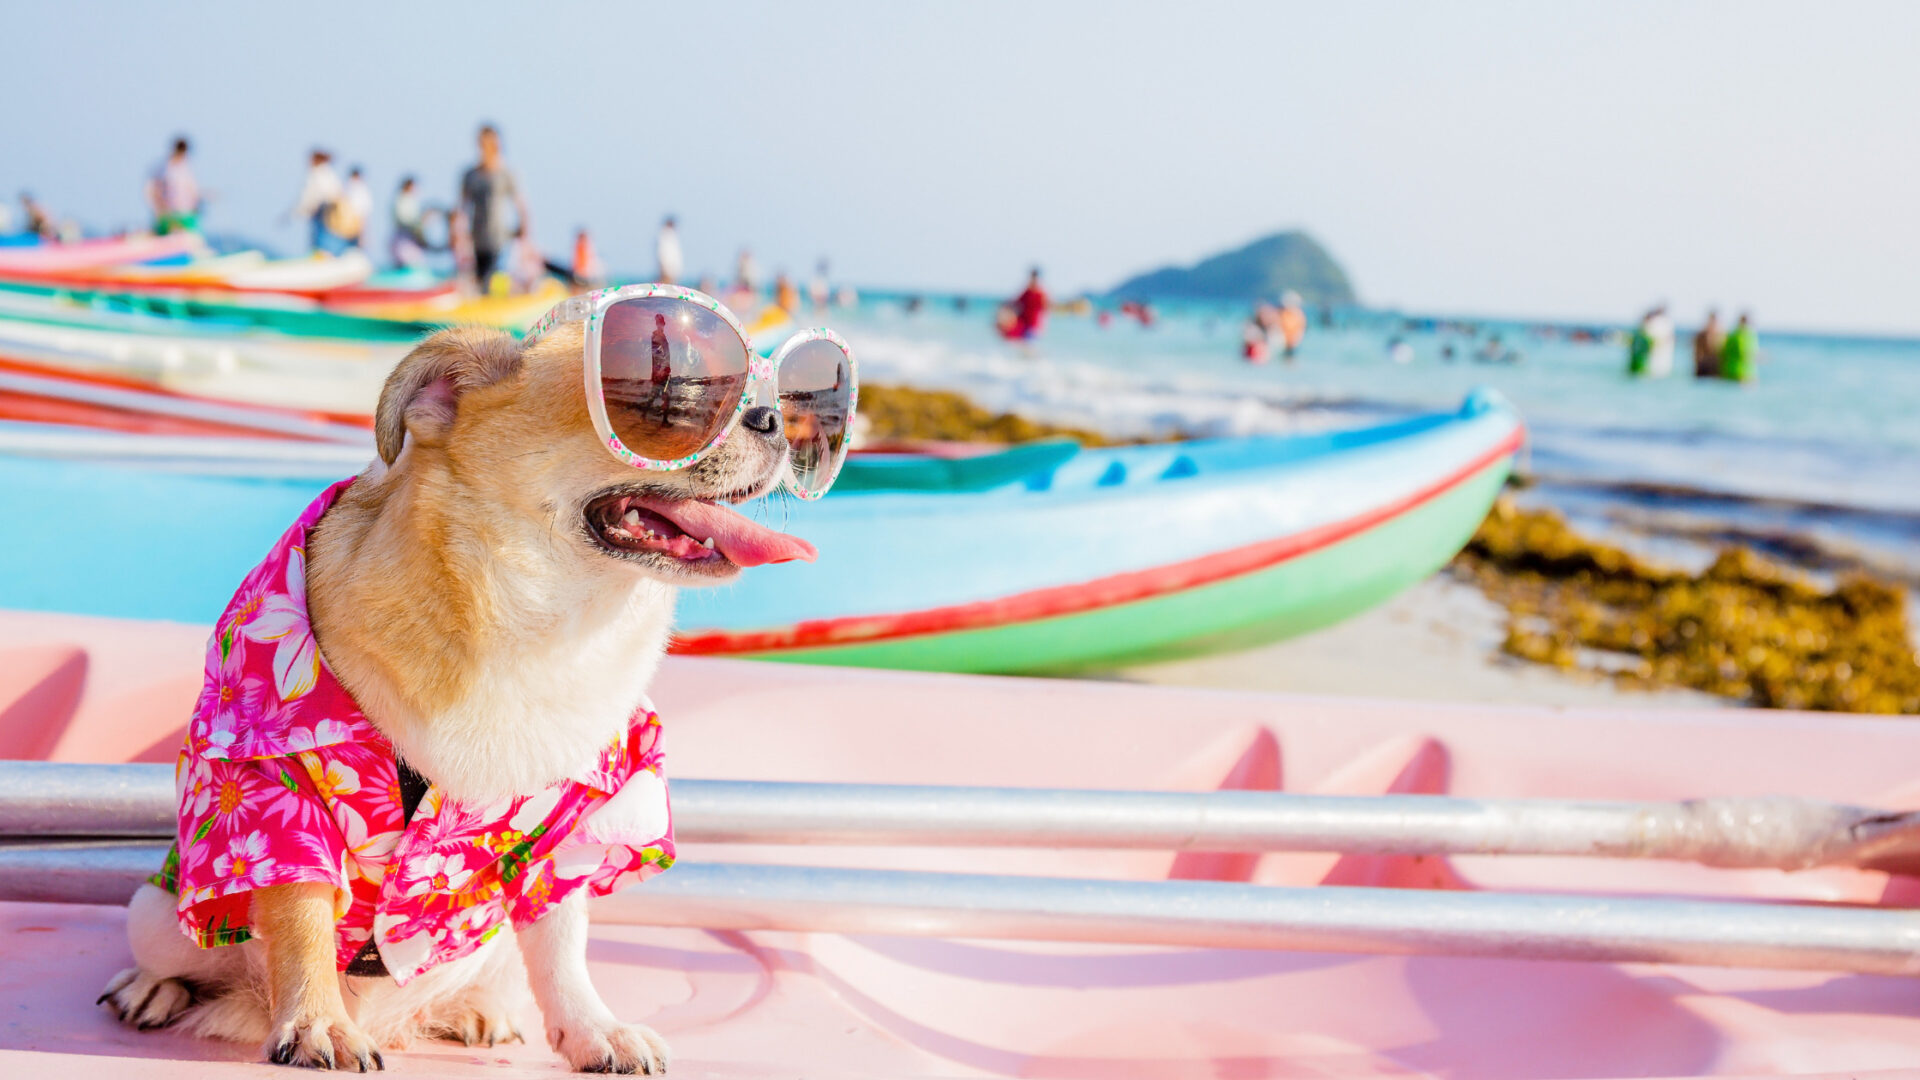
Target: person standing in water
point(488, 192)
point(666, 249)
point(1292, 323)
point(1256, 335)
point(1022, 318)
point(1741, 351)
point(1650, 350)
point(1707, 345)
point(173, 193)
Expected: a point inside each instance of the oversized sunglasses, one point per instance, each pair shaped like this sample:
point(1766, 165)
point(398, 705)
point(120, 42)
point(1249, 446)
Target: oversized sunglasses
point(670, 372)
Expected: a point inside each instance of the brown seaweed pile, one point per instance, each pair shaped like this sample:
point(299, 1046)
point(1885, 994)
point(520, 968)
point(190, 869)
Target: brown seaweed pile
point(899, 413)
point(1744, 628)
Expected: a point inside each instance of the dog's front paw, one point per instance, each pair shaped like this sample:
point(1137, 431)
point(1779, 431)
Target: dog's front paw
point(143, 1001)
point(478, 1024)
point(612, 1047)
point(324, 1042)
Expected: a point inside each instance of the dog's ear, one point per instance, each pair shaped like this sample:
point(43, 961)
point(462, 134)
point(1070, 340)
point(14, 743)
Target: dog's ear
point(423, 393)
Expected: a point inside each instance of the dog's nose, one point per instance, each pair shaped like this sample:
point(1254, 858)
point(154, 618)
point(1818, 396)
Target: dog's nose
point(762, 419)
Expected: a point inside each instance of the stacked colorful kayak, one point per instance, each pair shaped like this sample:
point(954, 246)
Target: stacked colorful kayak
point(40, 258)
point(176, 278)
point(1088, 560)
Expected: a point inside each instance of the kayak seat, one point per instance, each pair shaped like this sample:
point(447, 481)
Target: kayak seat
point(1181, 466)
point(40, 690)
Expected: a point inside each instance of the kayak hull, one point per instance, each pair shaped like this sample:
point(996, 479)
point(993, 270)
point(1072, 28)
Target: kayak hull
point(1107, 557)
point(1296, 595)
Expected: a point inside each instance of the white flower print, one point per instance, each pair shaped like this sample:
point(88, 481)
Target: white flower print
point(282, 619)
point(440, 873)
point(246, 859)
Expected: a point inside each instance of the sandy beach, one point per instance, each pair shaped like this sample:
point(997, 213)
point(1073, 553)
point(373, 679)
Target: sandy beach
point(1438, 641)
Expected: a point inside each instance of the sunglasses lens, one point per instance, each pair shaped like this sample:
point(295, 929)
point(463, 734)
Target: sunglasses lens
point(816, 395)
point(672, 373)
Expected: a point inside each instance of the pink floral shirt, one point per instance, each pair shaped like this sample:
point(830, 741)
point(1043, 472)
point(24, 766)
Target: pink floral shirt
point(283, 779)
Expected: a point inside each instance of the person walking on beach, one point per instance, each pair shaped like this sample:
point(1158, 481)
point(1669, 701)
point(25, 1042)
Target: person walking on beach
point(37, 218)
point(488, 191)
point(319, 200)
point(819, 292)
point(786, 296)
point(1023, 317)
point(666, 250)
point(1707, 345)
point(746, 273)
point(357, 199)
point(588, 272)
point(173, 193)
point(408, 247)
point(1741, 351)
point(1650, 350)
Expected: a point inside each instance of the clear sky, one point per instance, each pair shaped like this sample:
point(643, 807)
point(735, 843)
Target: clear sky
point(1528, 159)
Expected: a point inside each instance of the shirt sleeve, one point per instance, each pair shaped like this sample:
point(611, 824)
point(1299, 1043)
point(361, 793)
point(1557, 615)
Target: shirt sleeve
point(242, 826)
point(618, 839)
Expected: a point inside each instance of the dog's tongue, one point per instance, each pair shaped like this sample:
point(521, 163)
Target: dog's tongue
point(743, 542)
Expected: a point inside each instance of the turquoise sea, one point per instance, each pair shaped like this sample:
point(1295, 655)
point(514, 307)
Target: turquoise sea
point(1817, 460)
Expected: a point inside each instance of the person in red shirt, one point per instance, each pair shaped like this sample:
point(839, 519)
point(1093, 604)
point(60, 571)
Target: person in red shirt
point(1023, 316)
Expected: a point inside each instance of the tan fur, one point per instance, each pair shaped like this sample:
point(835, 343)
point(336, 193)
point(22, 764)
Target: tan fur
point(310, 1025)
point(456, 595)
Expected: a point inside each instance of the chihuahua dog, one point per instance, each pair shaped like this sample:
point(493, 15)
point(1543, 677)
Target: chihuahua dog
point(494, 593)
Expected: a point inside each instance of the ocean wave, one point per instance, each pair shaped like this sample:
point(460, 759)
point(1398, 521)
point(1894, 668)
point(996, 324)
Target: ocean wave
point(1120, 404)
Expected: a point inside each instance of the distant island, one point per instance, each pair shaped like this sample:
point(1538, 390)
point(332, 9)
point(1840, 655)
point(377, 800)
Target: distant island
point(1261, 270)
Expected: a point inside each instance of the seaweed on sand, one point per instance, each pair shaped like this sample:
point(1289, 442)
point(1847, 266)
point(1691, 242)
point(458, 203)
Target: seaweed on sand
point(1743, 628)
point(902, 413)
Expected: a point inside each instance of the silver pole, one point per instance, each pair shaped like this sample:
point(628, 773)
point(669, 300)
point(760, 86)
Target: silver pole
point(1192, 914)
point(43, 799)
point(76, 871)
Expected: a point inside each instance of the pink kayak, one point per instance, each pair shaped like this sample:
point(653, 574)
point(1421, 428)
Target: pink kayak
point(44, 258)
point(752, 1003)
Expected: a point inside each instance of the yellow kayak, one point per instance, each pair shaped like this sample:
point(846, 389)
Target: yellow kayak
point(514, 313)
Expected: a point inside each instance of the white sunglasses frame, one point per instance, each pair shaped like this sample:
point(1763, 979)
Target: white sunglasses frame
point(763, 373)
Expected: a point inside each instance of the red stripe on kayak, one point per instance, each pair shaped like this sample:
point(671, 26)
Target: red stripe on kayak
point(1086, 596)
point(29, 408)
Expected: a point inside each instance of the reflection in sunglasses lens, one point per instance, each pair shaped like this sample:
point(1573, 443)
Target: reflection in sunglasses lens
point(672, 373)
point(816, 390)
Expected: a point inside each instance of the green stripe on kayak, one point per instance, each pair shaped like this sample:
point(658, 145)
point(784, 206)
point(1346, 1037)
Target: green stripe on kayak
point(1281, 601)
point(917, 472)
point(299, 322)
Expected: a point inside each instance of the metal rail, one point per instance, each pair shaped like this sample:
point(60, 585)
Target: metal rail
point(1193, 914)
point(44, 799)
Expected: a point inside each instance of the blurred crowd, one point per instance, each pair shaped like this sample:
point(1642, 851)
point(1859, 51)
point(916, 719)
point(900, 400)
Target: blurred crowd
point(484, 233)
